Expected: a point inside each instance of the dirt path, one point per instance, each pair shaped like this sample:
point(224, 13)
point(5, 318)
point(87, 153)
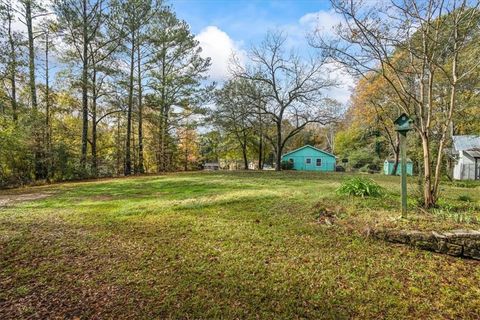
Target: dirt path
point(9, 199)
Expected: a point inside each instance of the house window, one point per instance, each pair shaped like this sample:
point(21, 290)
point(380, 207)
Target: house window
point(319, 162)
point(308, 160)
point(290, 160)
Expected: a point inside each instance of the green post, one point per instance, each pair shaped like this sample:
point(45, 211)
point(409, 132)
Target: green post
point(403, 154)
point(402, 125)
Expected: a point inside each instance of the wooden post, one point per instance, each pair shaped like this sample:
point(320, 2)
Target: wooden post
point(403, 152)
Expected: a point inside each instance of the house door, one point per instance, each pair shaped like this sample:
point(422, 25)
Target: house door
point(477, 168)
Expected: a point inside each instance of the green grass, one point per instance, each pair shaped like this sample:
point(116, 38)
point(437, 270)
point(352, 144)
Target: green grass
point(228, 245)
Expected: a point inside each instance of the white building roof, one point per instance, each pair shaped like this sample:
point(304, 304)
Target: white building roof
point(470, 142)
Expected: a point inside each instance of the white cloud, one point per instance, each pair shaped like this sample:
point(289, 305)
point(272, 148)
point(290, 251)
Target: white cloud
point(346, 84)
point(345, 81)
point(324, 23)
point(321, 21)
point(218, 45)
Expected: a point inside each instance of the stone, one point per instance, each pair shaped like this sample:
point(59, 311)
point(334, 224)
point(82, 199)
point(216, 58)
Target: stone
point(398, 236)
point(426, 245)
point(453, 249)
point(460, 237)
point(439, 236)
point(471, 253)
point(458, 243)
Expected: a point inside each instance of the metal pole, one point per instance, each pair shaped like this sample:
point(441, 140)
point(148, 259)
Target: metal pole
point(403, 153)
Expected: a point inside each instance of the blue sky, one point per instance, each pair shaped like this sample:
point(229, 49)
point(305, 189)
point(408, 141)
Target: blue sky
point(245, 20)
point(223, 27)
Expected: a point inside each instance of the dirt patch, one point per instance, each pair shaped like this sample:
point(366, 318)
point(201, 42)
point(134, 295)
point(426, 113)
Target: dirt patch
point(101, 197)
point(326, 213)
point(10, 199)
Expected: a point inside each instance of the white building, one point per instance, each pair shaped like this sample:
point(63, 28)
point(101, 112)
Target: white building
point(211, 166)
point(466, 150)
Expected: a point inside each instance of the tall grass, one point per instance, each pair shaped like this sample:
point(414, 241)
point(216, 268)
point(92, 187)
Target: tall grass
point(360, 187)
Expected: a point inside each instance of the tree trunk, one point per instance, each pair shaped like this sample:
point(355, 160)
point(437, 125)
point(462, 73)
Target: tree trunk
point(185, 168)
point(48, 135)
point(159, 145)
point(396, 152)
point(163, 136)
point(244, 154)
point(134, 147)
point(83, 158)
point(128, 160)
point(31, 53)
point(278, 155)
point(428, 197)
point(40, 168)
point(164, 113)
point(141, 168)
point(118, 144)
point(94, 123)
point(260, 142)
point(260, 152)
point(13, 68)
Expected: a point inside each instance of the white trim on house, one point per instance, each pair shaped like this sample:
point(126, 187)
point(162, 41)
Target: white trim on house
point(309, 146)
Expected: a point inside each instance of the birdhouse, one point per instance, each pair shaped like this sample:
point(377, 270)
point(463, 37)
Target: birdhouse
point(403, 123)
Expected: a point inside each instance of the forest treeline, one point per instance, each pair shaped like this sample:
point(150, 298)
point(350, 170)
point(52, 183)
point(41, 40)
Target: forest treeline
point(118, 87)
point(96, 88)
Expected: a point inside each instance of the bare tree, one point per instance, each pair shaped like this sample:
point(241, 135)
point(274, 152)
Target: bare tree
point(292, 89)
point(235, 113)
point(416, 46)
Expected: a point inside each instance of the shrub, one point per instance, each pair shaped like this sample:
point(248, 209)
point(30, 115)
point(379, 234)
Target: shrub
point(361, 157)
point(287, 165)
point(360, 187)
point(466, 184)
point(465, 198)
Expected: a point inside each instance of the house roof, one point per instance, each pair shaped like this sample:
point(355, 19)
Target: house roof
point(474, 152)
point(468, 142)
point(399, 160)
point(309, 146)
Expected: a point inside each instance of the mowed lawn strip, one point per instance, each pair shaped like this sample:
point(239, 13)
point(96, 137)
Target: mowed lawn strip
point(224, 245)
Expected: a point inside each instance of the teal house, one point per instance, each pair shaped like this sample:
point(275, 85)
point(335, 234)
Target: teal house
point(390, 163)
point(308, 158)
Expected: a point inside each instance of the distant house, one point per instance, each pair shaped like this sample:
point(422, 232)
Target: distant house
point(466, 151)
point(389, 164)
point(308, 158)
point(211, 166)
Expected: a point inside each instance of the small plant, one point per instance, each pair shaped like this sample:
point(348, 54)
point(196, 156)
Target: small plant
point(360, 187)
point(465, 198)
point(459, 217)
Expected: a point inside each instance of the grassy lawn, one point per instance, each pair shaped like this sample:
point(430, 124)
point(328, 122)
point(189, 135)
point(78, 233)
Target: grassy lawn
point(227, 245)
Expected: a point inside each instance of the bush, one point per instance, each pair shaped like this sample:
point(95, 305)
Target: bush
point(361, 157)
point(466, 184)
point(360, 187)
point(373, 167)
point(465, 198)
point(287, 165)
